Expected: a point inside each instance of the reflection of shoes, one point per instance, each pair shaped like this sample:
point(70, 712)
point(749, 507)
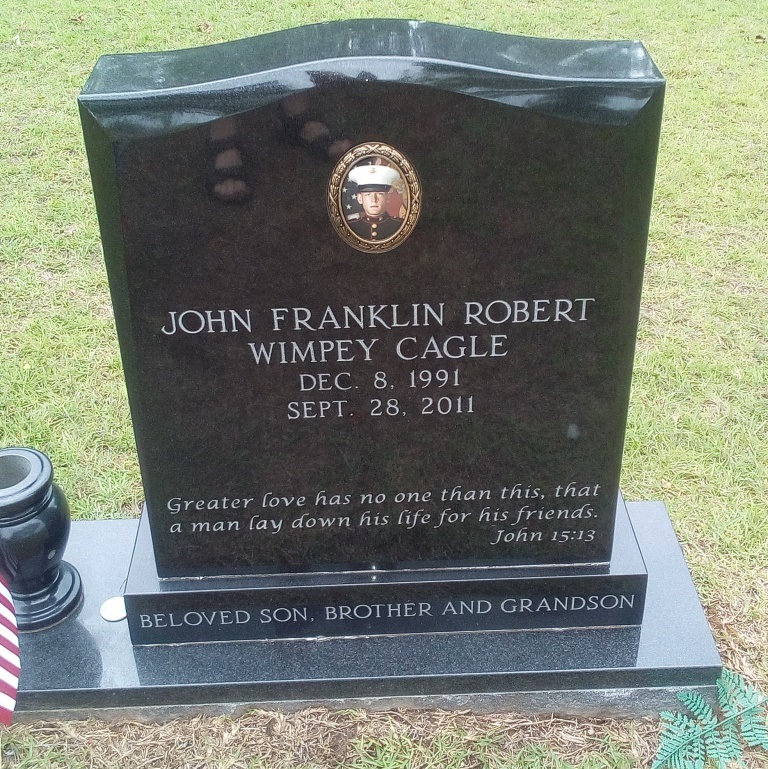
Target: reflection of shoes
point(302, 126)
point(226, 177)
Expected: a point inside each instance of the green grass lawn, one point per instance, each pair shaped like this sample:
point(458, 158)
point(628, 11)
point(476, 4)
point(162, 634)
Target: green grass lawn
point(698, 423)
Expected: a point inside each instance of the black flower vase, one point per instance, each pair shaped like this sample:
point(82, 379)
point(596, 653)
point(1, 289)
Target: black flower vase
point(34, 528)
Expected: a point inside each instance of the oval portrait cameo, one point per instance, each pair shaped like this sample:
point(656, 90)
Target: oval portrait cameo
point(374, 197)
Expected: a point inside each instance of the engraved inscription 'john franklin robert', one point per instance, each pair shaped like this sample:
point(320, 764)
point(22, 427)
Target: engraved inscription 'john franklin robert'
point(497, 312)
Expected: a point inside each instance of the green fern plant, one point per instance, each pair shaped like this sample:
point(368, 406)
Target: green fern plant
point(689, 741)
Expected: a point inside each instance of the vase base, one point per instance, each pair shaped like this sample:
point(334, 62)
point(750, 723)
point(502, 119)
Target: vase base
point(49, 607)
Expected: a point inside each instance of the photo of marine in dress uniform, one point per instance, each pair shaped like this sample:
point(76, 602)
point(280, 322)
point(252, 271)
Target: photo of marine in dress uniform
point(374, 197)
point(378, 201)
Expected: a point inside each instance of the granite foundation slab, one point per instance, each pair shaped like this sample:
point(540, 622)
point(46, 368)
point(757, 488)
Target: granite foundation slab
point(86, 666)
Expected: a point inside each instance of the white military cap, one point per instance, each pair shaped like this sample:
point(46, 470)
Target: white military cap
point(374, 178)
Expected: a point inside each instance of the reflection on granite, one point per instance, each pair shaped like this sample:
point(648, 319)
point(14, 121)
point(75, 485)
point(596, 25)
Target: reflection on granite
point(414, 663)
point(66, 656)
point(84, 655)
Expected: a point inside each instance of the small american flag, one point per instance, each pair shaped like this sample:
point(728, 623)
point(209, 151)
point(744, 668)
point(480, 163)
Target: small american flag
point(9, 654)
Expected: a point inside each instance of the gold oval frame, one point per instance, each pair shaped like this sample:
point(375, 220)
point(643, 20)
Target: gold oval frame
point(335, 190)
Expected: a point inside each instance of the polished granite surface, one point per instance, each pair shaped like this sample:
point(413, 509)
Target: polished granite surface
point(303, 404)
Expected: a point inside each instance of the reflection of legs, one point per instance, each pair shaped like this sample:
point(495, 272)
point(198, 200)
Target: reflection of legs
point(227, 177)
point(302, 126)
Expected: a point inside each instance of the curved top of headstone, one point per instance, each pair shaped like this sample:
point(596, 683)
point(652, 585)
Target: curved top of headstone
point(380, 41)
point(249, 73)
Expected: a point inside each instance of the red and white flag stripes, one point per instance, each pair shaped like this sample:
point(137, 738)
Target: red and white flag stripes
point(9, 655)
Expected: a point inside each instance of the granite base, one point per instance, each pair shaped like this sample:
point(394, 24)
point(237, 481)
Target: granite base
point(88, 667)
point(396, 602)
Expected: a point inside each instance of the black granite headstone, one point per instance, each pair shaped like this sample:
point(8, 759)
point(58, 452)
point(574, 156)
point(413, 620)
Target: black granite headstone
point(376, 285)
